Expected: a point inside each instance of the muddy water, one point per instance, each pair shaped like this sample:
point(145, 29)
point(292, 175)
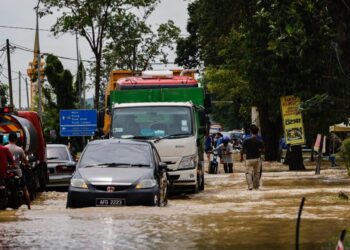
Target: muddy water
point(225, 216)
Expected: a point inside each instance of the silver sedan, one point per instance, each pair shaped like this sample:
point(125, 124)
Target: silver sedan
point(61, 165)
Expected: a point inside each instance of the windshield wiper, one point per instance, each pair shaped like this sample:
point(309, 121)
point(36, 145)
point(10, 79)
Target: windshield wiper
point(143, 137)
point(171, 136)
point(108, 164)
point(140, 165)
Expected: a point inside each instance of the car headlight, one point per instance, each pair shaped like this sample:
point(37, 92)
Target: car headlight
point(188, 162)
point(147, 183)
point(78, 182)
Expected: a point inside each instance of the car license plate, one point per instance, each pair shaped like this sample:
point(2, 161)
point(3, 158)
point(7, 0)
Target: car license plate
point(101, 202)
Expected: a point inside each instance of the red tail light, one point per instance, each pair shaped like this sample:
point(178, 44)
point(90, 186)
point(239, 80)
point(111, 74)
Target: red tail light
point(64, 169)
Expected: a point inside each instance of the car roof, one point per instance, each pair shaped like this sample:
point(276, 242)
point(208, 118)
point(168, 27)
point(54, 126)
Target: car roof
point(120, 141)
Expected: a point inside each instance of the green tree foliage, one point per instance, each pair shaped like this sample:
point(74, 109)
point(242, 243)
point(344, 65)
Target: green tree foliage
point(59, 93)
point(229, 97)
point(135, 46)
point(344, 152)
point(79, 84)
point(3, 94)
point(92, 19)
point(276, 48)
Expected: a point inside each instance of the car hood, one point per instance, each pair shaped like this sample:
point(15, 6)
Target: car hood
point(115, 175)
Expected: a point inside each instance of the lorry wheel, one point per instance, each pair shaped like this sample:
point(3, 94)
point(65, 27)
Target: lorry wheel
point(3, 198)
point(195, 188)
point(3, 203)
point(42, 179)
point(201, 183)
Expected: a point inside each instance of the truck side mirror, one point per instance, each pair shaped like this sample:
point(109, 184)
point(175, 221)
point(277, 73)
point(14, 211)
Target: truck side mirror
point(207, 102)
point(202, 130)
point(202, 118)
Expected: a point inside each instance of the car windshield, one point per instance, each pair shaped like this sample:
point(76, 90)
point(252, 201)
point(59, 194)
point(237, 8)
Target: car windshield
point(152, 122)
point(57, 153)
point(116, 155)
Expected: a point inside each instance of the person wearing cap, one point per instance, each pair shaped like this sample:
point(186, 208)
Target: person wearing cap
point(225, 149)
point(19, 155)
point(253, 148)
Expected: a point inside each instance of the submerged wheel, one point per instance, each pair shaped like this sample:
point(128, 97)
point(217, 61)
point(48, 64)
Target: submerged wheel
point(42, 175)
point(195, 188)
point(201, 183)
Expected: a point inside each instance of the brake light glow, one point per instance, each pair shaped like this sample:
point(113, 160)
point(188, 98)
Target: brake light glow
point(6, 110)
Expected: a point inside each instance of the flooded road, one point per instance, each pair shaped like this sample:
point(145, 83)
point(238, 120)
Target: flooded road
point(225, 216)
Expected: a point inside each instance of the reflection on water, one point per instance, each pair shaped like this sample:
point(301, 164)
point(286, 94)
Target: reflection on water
point(225, 216)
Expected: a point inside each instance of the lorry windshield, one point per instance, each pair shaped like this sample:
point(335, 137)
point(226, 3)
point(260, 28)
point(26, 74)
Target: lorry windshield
point(151, 122)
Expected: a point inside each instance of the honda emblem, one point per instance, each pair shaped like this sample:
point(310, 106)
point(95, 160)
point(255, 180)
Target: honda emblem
point(110, 189)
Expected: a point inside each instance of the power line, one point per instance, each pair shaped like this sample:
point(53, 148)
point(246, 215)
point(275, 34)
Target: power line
point(22, 28)
point(69, 58)
point(48, 30)
point(45, 53)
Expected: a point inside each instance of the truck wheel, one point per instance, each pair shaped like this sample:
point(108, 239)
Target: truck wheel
point(195, 188)
point(3, 203)
point(201, 185)
point(3, 198)
point(42, 179)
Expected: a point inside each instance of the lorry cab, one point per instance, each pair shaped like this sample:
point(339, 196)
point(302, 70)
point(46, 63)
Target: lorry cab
point(172, 127)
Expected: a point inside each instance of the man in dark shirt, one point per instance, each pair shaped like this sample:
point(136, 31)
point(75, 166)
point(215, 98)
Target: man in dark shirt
point(252, 148)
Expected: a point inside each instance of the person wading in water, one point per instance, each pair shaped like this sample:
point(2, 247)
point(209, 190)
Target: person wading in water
point(252, 148)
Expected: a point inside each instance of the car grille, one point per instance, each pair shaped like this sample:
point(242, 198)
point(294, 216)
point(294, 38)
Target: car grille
point(116, 188)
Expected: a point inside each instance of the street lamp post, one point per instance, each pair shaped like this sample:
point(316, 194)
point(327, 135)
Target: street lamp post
point(39, 62)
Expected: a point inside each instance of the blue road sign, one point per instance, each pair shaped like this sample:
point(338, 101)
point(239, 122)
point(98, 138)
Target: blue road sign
point(78, 122)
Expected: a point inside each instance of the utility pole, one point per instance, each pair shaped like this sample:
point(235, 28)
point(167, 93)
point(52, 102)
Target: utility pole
point(39, 64)
point(27, 94)
point(19, 90)
point(9, 71)
point(78, 73)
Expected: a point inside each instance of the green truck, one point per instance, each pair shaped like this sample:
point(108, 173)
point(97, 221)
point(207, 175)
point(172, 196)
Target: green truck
point(174, 120)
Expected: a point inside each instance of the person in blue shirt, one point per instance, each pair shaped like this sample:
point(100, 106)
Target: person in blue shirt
point(208, 145)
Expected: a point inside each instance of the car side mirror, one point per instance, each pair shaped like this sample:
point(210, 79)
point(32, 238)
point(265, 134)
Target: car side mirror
point(162, 166)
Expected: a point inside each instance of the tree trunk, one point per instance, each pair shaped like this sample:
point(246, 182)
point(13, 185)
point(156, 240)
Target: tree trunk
point(294, 158)
point(97, 81)
point(271, 132)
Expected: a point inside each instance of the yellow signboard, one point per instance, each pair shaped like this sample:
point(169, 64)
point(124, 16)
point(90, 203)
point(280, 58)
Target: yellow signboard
point(292, 120)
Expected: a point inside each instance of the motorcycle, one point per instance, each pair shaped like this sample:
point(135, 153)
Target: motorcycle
point(11, 194)
point(213, 164)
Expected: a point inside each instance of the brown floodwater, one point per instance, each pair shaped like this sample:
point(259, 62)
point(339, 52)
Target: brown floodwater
point(225, 216)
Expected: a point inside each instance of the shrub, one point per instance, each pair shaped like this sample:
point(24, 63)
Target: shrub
point(344, 152)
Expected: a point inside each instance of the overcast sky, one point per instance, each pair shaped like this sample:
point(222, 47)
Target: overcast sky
point(20, 13)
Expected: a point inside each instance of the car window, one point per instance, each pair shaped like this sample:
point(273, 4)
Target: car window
point(116, 153)
point(57, 153)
